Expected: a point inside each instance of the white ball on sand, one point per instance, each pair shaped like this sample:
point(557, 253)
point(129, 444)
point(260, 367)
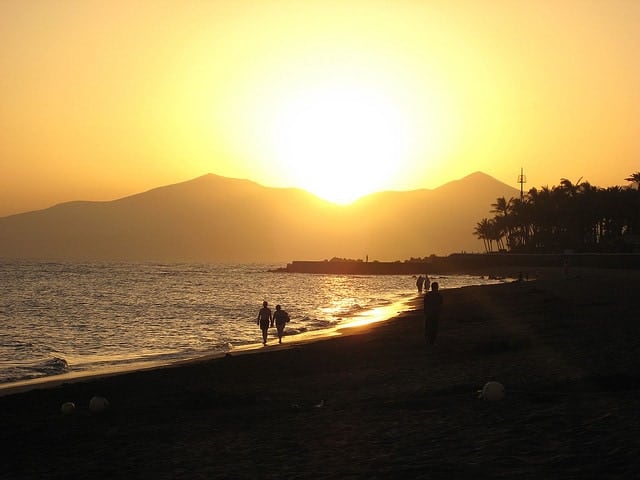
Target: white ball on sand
point(98, 404)
point(493, 391)
point(68, 408)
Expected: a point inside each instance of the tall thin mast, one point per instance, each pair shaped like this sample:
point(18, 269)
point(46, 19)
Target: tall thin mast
point(522, 180)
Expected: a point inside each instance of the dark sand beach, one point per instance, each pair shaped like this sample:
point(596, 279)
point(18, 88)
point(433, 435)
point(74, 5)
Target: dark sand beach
point(377, 402)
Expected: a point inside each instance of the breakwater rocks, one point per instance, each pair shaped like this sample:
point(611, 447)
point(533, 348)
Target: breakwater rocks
point(463, 263)
point(355, 267)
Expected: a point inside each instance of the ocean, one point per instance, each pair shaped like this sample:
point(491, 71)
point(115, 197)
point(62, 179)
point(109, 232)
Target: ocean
point(85, 318)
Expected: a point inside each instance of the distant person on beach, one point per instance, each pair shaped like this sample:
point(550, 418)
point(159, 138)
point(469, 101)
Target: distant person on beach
point(432, 311)
point(264, 320)
point(420, 283)
point(427, 282)
point(281, 318)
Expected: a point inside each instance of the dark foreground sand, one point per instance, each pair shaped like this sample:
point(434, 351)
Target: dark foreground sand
point(377, 404)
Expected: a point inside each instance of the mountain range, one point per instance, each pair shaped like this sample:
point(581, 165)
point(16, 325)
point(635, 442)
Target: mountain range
point(218, 219)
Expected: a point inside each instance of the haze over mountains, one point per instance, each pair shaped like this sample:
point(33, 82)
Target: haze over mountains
point(218, 219)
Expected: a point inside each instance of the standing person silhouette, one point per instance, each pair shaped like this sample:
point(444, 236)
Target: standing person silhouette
point(420, 283)
point(264, 320)
point(432, 311)
point(281, 318)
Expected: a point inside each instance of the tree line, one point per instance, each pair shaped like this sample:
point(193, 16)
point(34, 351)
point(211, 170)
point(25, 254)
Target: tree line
point(576, 217)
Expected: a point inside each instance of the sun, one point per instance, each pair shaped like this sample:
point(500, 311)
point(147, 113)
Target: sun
point(341, 141)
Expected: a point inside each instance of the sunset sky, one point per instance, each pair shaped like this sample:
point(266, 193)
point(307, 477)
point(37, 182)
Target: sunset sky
point(103, 99)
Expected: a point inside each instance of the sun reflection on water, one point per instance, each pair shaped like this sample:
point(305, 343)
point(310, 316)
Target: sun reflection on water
point(375, 315)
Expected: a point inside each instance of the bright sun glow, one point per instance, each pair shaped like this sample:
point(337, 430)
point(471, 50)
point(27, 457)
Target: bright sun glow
point(341, 141)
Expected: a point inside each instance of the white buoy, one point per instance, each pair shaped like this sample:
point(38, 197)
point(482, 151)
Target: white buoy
point(98, 404)
point(68, 408)
point(492, 391)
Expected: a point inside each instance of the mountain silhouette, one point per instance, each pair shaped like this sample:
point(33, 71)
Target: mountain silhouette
point(218, 219)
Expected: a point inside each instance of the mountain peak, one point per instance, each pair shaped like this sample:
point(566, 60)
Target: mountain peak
point(482, 181)
point(220, 219)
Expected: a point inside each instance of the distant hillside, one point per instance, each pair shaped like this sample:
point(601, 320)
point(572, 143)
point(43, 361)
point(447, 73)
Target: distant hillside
point(218, 219)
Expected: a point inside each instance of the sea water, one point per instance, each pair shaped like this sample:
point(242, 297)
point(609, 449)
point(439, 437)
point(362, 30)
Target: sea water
point(58, 318)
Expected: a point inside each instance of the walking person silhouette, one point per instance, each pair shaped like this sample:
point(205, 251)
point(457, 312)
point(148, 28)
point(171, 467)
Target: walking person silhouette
point(281, 318)
point(264, 320)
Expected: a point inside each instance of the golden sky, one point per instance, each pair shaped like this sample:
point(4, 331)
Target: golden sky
point(102, 99)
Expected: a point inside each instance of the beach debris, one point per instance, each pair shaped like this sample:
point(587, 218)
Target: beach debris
point(98, 404)
point(68, 408)
point(320, 404)
point(492, 391)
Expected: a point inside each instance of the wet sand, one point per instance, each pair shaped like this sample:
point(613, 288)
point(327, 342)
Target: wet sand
point(376, 403)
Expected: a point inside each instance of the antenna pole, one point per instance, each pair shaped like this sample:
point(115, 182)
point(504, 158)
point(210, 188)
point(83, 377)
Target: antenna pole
point(522, 179)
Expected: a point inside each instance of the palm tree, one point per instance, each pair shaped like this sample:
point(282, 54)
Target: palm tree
point(569, 198)
point(615, 218)
point(635, 218)
point(588, 215)
point(483, 232)
point(502, 206)
point(502, 209)
point(571, 188)
point(544, 218)
point(521, 221)
point(634, 178)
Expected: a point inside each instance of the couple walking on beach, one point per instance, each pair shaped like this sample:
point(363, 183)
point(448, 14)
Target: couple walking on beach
point(266, 320)
point(423, 282)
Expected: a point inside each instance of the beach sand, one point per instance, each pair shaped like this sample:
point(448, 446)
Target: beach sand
point(377, 402)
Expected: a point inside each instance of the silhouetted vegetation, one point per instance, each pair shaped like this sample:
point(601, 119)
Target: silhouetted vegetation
point(569, 217)
point(420, 259)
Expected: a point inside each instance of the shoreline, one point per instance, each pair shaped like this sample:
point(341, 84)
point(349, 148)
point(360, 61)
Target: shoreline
point(376, 402)
point(379, 314)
